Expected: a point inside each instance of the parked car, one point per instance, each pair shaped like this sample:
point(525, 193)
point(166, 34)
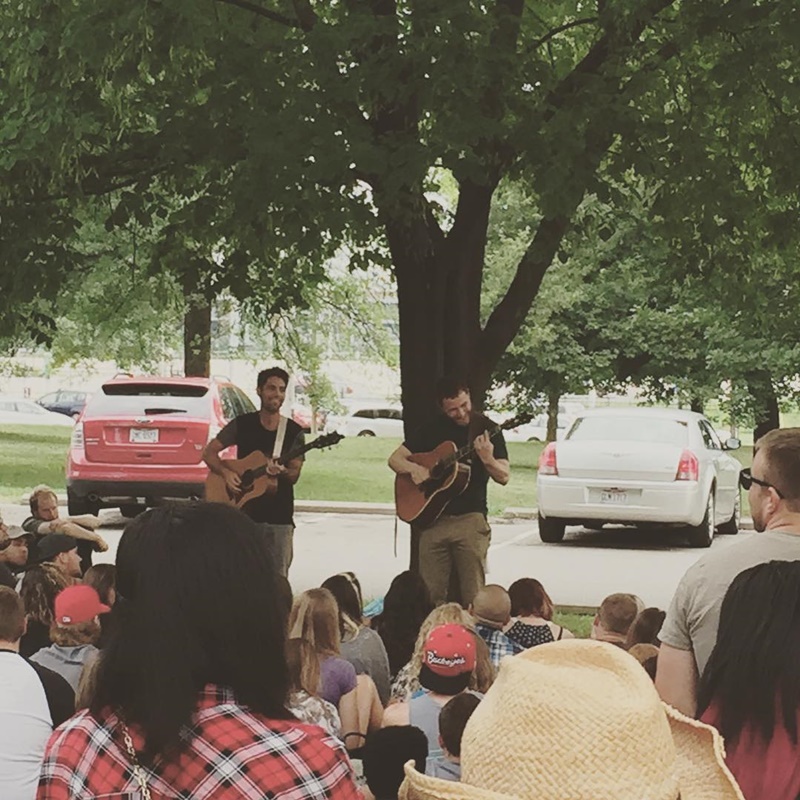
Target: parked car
point(373, 420)
point(19, 411)
point(65, 401)
point(536, 430)
point(636, 466)
point(140, 441)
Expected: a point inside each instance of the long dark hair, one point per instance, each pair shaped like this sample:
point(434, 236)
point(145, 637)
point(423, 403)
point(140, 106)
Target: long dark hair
point(197, 604)
point(754, 667)
point(405, 607)
point(346, 598)
point(528, 597)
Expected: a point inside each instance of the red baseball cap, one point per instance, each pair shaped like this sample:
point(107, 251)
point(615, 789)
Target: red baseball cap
point(77, 604)
point(450, 650)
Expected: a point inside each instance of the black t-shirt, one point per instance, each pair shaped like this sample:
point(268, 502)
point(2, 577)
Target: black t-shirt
point(7, 577)
point(443, 429)
point(249, 435)
point(59, 694)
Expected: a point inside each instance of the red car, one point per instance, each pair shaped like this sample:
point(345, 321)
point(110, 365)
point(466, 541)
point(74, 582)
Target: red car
point(140, 441)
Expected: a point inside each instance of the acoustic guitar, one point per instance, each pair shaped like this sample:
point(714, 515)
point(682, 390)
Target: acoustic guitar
point(252, 471)
point(423, 503)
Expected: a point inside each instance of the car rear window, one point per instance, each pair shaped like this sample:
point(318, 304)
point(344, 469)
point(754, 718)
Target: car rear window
point(629, 429)
point(151, 398)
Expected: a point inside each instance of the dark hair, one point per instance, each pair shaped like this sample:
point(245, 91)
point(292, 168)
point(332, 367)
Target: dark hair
point(197, 604)
point(754, 666)
point(646, 627)
point(385, 753)
point(444, 684)
point(405, 607)
point(103, 577)
point(12, 615)
point(272, 372)
point(347, 600)
point(451, 386)
point(528, 597)
point(453, 719)
point(782, 455)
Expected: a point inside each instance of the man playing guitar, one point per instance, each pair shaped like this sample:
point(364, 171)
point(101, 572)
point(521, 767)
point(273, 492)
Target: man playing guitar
point(459, 538)
point(258, 431)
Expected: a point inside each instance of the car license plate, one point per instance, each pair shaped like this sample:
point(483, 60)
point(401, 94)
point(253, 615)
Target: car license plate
point(613, 496)
point(144, 435)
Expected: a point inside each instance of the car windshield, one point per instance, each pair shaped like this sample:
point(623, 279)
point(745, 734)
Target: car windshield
point(150, 398)
point(620, 428)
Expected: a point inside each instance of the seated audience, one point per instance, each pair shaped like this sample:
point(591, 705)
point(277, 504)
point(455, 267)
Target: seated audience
point(196, 670)
point(315, 619)
point(406, 684)
point(579, 719)
point(74, 633)
point(38, 590)
point(448, 663)
point(360, 645)
point(749, 689)
point(532, 612)
point(61, 551)
point(103, 578)
point(45, 519)
point(452, 721)
point(491, 610)
point(386, 753)
point(13, 553)
point(304, 682)
point(645, 628)
point(33, 700)
point(615, 617)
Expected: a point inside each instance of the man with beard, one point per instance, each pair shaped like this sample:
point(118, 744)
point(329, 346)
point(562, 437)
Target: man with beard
point(258, 431)
point(690, 629)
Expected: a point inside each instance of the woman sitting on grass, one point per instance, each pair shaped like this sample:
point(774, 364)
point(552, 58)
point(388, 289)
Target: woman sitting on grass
point(532, 610)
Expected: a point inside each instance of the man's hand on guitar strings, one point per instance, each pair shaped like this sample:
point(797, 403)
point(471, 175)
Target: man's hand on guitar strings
point(484, 448)
point(232, 481)
point(418, 473)
point(276, 469)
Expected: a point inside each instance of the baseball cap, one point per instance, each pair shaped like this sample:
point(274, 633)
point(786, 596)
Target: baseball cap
point(77, 604)
point(15, 532)
point(54, 543)
point(449, 650)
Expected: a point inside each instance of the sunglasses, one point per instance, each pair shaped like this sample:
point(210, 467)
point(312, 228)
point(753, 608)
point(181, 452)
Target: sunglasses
point(746, 480)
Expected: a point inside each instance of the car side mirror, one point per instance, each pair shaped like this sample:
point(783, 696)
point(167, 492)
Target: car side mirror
point(732, 444)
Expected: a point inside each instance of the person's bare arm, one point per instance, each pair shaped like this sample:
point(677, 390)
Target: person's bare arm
point(499, 469)
point(400, 463)
point(348, 714)
point(676, 679)
point(293, 469)
point(79, 532)
point(86, 521)
point(218, 466)
point(395, 714)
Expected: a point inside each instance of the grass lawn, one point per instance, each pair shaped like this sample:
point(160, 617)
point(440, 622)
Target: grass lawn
point(355, 470)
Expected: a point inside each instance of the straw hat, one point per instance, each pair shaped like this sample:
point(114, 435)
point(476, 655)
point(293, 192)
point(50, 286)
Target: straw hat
point(580, 720)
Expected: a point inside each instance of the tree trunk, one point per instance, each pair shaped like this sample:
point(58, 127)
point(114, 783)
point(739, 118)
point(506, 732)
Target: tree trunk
point(697, 404)
point(552, 416)
point(197, 337)
point(767, 412)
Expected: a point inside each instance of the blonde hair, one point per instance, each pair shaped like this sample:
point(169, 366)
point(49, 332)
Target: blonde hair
point(88, 682)
point(75, 635)
point(315, 619)
point(485, 672)
point(304, 670)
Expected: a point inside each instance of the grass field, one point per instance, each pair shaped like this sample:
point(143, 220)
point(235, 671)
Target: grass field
point(355, 470)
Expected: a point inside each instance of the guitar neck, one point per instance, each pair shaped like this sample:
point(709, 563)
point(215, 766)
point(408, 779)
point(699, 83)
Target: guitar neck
point(467, 449)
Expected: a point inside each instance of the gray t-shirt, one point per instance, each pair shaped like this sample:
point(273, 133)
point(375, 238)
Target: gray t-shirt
point(367, 654)
point(693, 616)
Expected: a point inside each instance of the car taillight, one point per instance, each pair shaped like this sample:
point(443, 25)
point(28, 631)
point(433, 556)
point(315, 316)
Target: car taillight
point(76, 440)
point(547, 460)
point(688, 467)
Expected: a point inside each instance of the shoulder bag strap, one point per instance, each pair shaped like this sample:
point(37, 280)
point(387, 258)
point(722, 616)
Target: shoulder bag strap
point(138, 772)
point(280, 435)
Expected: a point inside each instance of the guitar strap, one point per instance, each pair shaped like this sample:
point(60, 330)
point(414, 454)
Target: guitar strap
point(280, 435)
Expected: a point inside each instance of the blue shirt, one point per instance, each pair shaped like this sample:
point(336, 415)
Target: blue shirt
point(499, 644)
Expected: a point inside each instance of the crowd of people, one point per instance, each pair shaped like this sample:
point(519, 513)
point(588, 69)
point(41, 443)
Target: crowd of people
point(191, 668)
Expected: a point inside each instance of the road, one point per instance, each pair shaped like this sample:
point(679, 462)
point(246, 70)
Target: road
point(581, 571)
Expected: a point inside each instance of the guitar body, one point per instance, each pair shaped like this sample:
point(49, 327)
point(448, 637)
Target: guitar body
point(253, 485)
point(424, 504)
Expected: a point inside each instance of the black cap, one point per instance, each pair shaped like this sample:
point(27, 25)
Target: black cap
point(53, 544)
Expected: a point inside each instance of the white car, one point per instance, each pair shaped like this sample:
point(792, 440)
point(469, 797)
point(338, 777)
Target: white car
point(536, 430)
point(19, 411)
point(640, 465)
point(375, 420)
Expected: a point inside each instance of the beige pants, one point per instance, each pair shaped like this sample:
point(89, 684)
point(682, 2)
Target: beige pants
point(455, 542)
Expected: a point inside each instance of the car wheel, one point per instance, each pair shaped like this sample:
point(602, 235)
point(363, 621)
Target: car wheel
point(731, 527)
point(366, 433)
point(703, 534)
point(132, 510)
point(551, 529)
point(77, 506)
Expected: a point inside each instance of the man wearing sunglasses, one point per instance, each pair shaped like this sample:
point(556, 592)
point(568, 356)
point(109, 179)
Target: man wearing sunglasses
point(690, 629)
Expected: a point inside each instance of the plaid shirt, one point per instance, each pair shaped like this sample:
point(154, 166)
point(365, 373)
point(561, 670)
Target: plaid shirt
point(230, 753)
point(499, 644)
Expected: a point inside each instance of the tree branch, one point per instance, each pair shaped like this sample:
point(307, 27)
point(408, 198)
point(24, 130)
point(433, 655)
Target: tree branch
point(560, 29)
point(264, 12)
